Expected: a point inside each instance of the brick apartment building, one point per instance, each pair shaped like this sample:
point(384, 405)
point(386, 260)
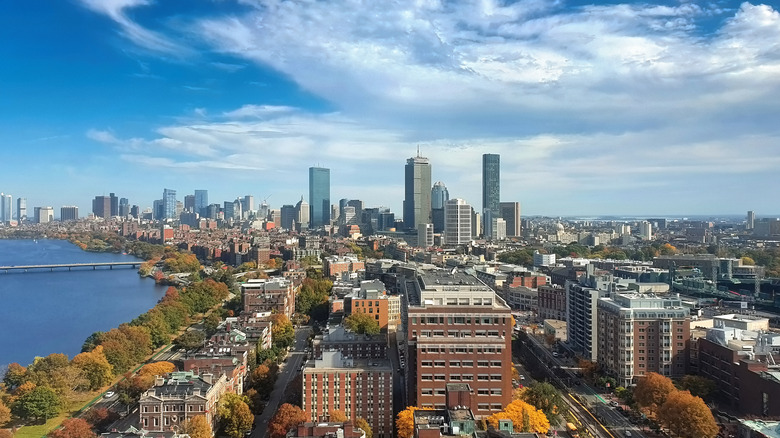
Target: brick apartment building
point(335, 266)
point(458, 331)
point(350, 344)
point(357, 387)
point(372, 299)
point(642, 333)
point(327, 430)
point(552, 302)
point(179, 397)
point(276, 295)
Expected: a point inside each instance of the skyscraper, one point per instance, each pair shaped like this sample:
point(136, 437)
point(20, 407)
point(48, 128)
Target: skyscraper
point(5, 207)
point(439, 196)
point(248, 205)
point(21, 209)
point(417, 200)
point(302, 212)
point(319, 196)
point(201, 202)
point(751, 220)
point(189, 202)
point(101, 206)
point(69, 213)
point(491, 190)
point(124, 207)
point(457, 222)
point(510, 212)
point(114, 204)
point(169, 204)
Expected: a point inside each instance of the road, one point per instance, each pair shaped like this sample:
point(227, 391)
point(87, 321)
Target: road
point(287, 372)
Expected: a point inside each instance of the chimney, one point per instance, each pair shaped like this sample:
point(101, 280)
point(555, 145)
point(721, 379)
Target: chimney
point(208, 378)
point(159, 380)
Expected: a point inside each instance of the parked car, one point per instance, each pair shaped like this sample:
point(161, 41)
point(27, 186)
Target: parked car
point(109, 394)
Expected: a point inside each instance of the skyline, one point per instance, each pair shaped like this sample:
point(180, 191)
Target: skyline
point(662, 108)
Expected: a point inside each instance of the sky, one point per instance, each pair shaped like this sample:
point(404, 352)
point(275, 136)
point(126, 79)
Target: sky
point(596, 108)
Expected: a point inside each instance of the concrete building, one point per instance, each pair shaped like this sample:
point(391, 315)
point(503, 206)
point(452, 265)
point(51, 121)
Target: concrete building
point(101, 206)
point(425, 235)
point(751, 220)
point(179, 397)
point(337, 338)
point(581, 311)
point(640, 334)
point(417, 199)
point(69, 213)
point(44, 215)
point(458, 331)
point(510, 212)
point(302, 214)
point(498, 229)
point(319, 196)
point(646, 230)
point(21, 210)
point(336, 266)
point(491, 191)
point(5, 208)
point(358, 387)
point(457, 222)
point(543, 259)
point(269, 295)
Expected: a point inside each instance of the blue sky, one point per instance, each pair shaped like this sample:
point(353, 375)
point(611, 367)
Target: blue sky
point(634, 108)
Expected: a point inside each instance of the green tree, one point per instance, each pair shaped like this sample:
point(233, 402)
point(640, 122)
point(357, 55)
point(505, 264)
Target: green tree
point(94, 367)
point(234, 415)
point(40, 403)
point(698, 386)
point(190, 340)
point(546, 398)
point(362, 323)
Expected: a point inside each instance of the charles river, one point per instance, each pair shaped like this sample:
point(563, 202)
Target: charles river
point(44, 312)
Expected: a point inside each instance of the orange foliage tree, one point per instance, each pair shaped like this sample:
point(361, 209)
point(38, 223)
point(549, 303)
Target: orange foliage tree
point(157, 369)
point(687, 416)
point(285, 418)
point(337, 416)
point(94, 367)
point(524, 417)
point(404, 422)
point(5, 413)
point(73, 428)
point(651, 392)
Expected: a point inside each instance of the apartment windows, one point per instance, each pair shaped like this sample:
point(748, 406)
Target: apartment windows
point(454, 363)
point(483, 363)
point(483, 377)
point(468, 363)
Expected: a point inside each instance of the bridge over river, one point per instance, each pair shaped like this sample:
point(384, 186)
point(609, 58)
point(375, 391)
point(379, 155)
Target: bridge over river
point(69, 266)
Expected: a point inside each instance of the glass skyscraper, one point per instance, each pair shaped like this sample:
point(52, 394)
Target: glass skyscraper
point(319, 196)
point(491, 191)
point(201, 202)
point(417, 199)
point(169, 204)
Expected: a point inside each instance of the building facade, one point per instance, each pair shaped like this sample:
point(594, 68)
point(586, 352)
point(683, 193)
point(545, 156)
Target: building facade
point(5, 207)
point(510, 212)
point(457, 222)
point(491, 191)
point(319, 196)
point(179, 397)
point(21, 209)
point(101, 206)
point(417, 199)
point(276, 295)
point(169, 204)
point(69, 213)
point(552, 302)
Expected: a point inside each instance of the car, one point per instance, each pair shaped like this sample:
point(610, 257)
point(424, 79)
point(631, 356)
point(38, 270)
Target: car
point(109, 394)
point(555, 354)
point(522, 377)
point(614, 404)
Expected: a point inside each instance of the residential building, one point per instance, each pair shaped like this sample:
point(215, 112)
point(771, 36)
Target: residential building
point(336, 266)
point(417, 200)
point(21, 209)
point(169, 204)
point(179, 397)
point(457, 222)
point(69, 213)
point(640, 334)
point(751, 220)
point(275, 295)
point(491, 191)
point(458, 331)
point(5, 207)
point(337, 338)
point(543, 259)
point(358, 387)
point(581, 311)
point(646, 230)
point(425, 235)
point(510, 212)
point(455, 419)
point(552, 302)
point(101, 206)
point(319, 196)
point(498, 229)
point(372, 299)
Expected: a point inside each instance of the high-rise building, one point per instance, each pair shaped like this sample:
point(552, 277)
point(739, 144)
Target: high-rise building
point(169, 204)
point(21, 209)
point(302, 212)
point(319, 196)
point(124, 207)
point(510, 212)
point(101, 206)
point(457, 222)
point(5, 207)
point(751, 220)
point(425, 235)
point(229, 209)
point(491, 191)
point(212, 211)
point(287, 217)
point(114, 204)
point(248, 205)
point(646, 230)
point(202, 202)
point(439, 195)
point(417, 200)
point(189, 202)
point(69, 213)
point(44, 215)
point(158, 209)
point(581, 303)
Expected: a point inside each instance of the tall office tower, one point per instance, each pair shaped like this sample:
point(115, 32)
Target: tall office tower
point(179, 209)
point(287, 217)
point(5, 207)
point(439, 195)
point(348, 216)
point(135, 211)
point(44, 215)
point(662, 325)
point(491, 191)
point(751, 220)
point(124, 207)
point(499, 229)
point(69, 213)
point(263, 210)
point(114, 204)
point(385, 220)
point(457, 222)
point(342, 204)
point(275, 216)
point(189, 202)
point(476, 223)
point(319, 196)
point(248, 205)
point(458, 330)
point(101, 206)
point(212, 211)
point(229, 209)
point(425, 235)
point(21, 209)
point(169, 204)
point(202, 202)
point(334, 212)
point(417, 200)
point(302, 212)
point(158, 210)
point(646, 230)
point(510, 212)
point(238, 211)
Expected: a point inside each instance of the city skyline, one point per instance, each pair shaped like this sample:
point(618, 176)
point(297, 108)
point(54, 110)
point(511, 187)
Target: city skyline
point(661, 108)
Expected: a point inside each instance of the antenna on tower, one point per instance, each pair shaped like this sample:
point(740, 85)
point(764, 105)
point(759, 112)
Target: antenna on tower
point(418, 151)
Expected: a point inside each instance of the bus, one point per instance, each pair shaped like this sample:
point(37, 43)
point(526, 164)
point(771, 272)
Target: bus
point(572, 429)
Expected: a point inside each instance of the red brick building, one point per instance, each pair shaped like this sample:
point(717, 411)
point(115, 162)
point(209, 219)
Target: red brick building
point(350, 344)
point(269, 295)
point(373, 300)
point(327, 430)
point(552, 302)
point(334, 266)
point(179, 397)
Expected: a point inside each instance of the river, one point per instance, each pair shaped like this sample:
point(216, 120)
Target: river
point(44, 312)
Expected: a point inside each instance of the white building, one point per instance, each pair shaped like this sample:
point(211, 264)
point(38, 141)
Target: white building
point(646, 230)
point(425, 235)
point(543, 259)
point(457, 222)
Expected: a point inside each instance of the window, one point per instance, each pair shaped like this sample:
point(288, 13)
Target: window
point(483, 377)
point(426, 377)
point(454, 363)
point(483, 363)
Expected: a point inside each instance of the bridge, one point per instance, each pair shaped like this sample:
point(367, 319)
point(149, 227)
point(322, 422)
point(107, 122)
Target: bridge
point(69, 266)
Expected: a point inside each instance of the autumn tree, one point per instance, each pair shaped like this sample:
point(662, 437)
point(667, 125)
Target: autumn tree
point(285, 418)
point(73, 428)
point(197, 427)
point(524, 417)
point(94, 367)
point(100, 418)
point(363, 425)
point(131, 387)
point(337, 416)
point(545, 397)
point(282, 332)
point(15, 375)
point(126, 346)
point(56, 372)
point(747, 261)
point(5, 413)
point(651, 392)
point(698, 386)
point(362, 323)
point(588, 367)
point(160, 368)
point(404, 422)
point(40, 403)
point(6, 433)
point(687, 416)
point(190, 340)
point(234, 415)
point(263, 379)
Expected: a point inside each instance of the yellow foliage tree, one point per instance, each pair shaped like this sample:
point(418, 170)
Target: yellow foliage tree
point(94, 367)
point(363, 424)
point(404, 422)
point(157, 369)
point(651, 392)
point(524, 417)
point(197, 427)
point(337, 416)
point(687, 416)
point(747, 261)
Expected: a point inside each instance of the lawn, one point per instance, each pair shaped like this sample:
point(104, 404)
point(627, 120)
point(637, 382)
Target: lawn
point(40, 430)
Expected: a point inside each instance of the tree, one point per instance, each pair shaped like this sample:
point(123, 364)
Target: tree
point(197, 427)
point(234, 415)
point(190, 340)
point(404, 422)
point(588, 367)
point(337, 416)
point(15, 375)
point(282, 332)
point(41, 402)
point(6, 433)
point(747, 261)
point(73, 428)
point(56, 372)
point(363, 424)
point(100, 418)
point(545, 397)
point(285, 418)
point(157, 369)
point(651, 392)
point(362, 323)
point(698, 386)
point(524, 417)
point(687, 416)
point(5, 414)
point(94, 367)
point(131, 387)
